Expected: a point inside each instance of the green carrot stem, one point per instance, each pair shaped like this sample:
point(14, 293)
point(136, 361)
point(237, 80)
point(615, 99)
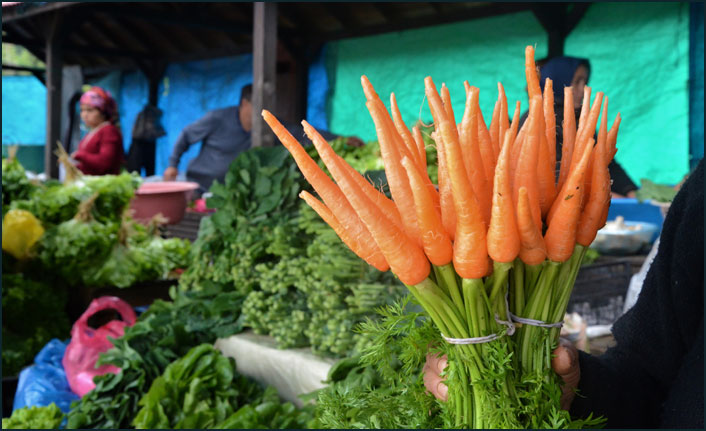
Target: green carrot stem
point(438, 321)
point(532, 274)
point(499, 277)
point(518, 297)
point(533, 310)
point(565, 286)
point(447, 277)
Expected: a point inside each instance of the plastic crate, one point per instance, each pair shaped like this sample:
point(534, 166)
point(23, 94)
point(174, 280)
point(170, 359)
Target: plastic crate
point(599, 292)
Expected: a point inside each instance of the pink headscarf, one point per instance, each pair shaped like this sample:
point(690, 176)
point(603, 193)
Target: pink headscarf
point(102, 100)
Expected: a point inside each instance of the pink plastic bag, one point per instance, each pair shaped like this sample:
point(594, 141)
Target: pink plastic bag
point(87, 343)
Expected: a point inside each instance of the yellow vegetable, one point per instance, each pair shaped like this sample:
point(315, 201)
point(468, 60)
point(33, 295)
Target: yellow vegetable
point(20, 231)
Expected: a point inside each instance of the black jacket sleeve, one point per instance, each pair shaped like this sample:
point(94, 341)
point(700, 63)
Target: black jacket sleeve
point(653, 377)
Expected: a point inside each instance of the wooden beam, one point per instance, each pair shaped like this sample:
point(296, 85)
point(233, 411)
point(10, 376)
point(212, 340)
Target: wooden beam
point(78, 49)
point(19, 12)
point(264, 73)
point(552, 17)
point(444, 17)
point(176, 19)
point(341, 14)
point(23, 68)
point(577, 11)
point(387, 11)
point(54, 63)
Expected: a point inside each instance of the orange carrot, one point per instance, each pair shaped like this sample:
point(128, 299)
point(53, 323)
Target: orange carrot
point(598, 194)
point(326, 152)
point(503, 238)
point(526, 170)
point(550, 121)
point(446, 100)
point(473, 161)
point(363, 243)
point(532, 248)
point(419, 140)
point(396, 177)
point(495, 127)
point(515, 122)
point(372, 96)
point(602, 136)
point(531, 74)
point(342, 232)
point(546, 177)
point(589, 128)
point(568, 130)
point(413, 149)
point(436, 242)
point(517, 150)
point(446, 201)
point(504, 123)
point(612, 138)
point(487, 151)
point(406, 258)
point(423, 167)
point(560, 237)
point(403, 130)
point(470, 249)
point(585, 105)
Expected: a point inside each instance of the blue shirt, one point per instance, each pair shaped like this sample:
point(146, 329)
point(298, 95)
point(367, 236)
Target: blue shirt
point(222, 139)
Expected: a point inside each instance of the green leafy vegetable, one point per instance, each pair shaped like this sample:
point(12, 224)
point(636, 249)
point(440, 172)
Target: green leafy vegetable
point(165, 332)
point(15, 184)
point(23, 337)
point(48, 417)
point(656, 192)
point(200, 390)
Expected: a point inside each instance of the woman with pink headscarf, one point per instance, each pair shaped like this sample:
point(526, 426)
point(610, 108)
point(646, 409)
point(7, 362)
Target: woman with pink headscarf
point(100, 152)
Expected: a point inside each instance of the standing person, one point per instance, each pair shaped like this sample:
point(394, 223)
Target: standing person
point(100, 152)
point(574, 72)
point(224, 134)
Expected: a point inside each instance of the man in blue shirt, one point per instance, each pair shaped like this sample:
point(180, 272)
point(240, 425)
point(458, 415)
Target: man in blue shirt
point(224, 134)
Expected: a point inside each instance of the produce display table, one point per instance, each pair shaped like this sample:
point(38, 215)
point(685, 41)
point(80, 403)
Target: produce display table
point(292, 372)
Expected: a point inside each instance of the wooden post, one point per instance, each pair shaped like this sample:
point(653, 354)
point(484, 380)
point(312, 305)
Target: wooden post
point(264, 71)
point(54, 63)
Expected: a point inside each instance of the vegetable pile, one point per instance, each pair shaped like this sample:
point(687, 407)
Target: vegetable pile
point(500, 243)
point(300, 286)
point(171, 377)
point(57, 237)
point(34, 418)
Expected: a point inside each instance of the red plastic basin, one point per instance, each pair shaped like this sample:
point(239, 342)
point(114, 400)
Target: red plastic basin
point(169, 198)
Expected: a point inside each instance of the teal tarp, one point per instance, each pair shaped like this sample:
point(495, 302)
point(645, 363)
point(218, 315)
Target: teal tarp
point(639, 56)
point(484, 52)
point(696, 82)
point(638, 51)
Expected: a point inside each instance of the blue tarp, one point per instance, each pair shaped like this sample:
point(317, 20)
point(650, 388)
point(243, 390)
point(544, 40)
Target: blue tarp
point(24, 111)
point(186, 93)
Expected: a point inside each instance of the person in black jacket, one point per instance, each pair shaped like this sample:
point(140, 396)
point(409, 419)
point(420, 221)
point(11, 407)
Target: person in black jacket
point(574, 72)
point(654, 376)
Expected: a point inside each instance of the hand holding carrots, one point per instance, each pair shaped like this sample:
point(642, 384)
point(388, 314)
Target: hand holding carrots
point(565, 363)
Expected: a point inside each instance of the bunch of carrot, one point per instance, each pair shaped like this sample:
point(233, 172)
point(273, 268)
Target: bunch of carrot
point(501, 237)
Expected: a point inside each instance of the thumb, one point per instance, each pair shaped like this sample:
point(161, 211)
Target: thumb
point(565, 363)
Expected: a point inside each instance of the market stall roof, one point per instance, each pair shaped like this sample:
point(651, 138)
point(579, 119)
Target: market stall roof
point(121, 35)
point(101, 37)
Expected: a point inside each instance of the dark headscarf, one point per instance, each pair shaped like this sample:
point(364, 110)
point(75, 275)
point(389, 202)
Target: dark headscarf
point(561, 71)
